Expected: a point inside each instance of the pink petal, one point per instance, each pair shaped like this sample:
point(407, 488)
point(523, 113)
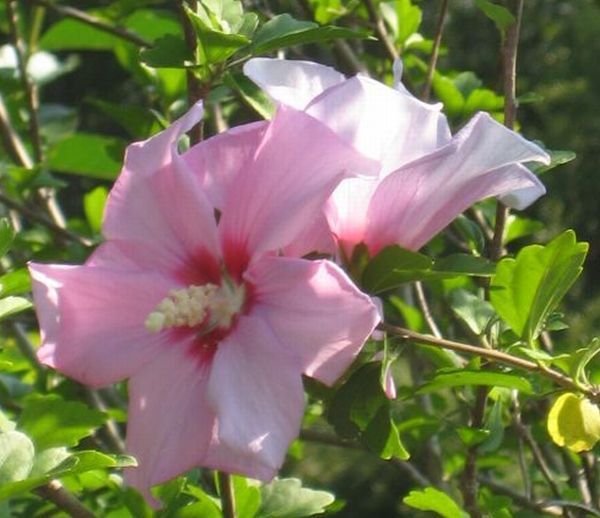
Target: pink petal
point(159, 202)
point(220, 159)
point(170, 425)
point(315, 310)
point(256, 390)
point(315, 238)
point(92, 320)
point(347, 209)
point(414, 203)
point(297, 166)
point(293, 83)
point(382, 123)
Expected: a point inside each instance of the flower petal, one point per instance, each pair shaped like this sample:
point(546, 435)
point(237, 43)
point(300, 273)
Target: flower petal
point(347, 210)
point(219, 159)
point(170, 425)
point(382, 123)
point(293, 83)
point(92, 320)
point(414, 203)
point(298, 164)
point(256, 390)
point(315, 310)
point(157, 200)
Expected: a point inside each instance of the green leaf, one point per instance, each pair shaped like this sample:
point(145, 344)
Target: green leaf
point(15, 282)
point(465, 377)
point(139, 122)
point(251, 94)
point(381, 436)
point(75, 464)
point(16, 456)
point(501, 16)
point(286, 498)
point(518, 226)
point(284, 31)
point(473, 310)
point(93, 206)
point(403, 18)
point(51, 422)
point(168, 51)
point(472, 436)
point(70, 34)
point(214, 46)
point(494, 425)
point(87, 154)
point(7, 234)
point(47, 460)
point(360, 409)
point(557, 158)
point(247, 497)
point(448, 93)
point(482, 99)
point(527, 289)
point(432, 499)
point(394, 266)
point(12, 305)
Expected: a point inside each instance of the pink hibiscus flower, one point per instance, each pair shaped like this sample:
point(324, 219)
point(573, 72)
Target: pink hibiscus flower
point(196, 308)
point(427, 177)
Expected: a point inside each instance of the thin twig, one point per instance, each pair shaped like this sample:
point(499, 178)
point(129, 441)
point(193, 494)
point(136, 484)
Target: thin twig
point(11, 140)
point(538, 457)
point(435, 51)
point(426, 310)
point(195, 89)
point(64, 500)
point(227, 495)
point(93, 21)
point(522, 500)
point(380, 29)
point(494, 356)
point(36, 217)
point(509, 66)
point(527, 485)
point(328, 439)
point(29, 88)
point(110, 431)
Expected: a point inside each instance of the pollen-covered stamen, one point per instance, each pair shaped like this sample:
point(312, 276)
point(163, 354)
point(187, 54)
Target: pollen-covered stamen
point(215, 306)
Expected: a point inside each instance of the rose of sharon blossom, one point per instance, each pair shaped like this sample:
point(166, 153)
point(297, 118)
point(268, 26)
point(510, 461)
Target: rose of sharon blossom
point(211, 325)
point(427, 176)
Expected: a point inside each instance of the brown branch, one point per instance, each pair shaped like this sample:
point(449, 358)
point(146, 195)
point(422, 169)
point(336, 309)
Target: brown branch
point(92, 21)
point(59, 496)
point(435, 52)
point(494, 356)
point(380, 29)
point(227, 495)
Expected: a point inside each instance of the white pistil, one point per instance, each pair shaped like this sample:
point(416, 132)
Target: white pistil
point(192, 305)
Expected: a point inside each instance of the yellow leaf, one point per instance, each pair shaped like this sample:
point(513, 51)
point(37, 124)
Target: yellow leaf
point(574, 422)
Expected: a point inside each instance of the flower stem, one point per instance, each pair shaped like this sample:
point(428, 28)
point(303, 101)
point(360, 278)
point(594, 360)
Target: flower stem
point(227, 495)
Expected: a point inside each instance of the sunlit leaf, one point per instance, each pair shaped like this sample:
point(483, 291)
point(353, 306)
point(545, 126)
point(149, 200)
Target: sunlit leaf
point(286, 498)
point(525, 290)
point(432, 499)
